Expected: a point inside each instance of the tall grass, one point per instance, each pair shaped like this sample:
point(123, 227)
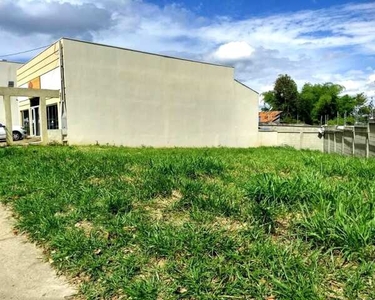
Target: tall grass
point(267, 223)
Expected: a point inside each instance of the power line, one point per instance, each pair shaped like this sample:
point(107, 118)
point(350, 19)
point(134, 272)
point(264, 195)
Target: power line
point(17, 53)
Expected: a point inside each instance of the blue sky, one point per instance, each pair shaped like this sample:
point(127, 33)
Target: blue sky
point(312, 40)
point(239, 9)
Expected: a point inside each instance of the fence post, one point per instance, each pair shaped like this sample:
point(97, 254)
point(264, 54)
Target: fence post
point(343, 142)
point(8, 120)
point(353, 141)
point(334, 141)
point(368, 141)
point(329, 142)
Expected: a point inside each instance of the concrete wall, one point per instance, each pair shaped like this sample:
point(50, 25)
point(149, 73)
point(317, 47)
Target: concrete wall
point(351, 140)
point(8, 73)
point(124, 97)
point(299, 137)
point(54, 136)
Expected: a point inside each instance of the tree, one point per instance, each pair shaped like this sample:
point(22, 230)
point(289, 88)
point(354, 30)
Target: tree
point(316, 102)
point(286, 96)
point(269, 101)
point(320, 100)
point(363, 109)
point(307, 100)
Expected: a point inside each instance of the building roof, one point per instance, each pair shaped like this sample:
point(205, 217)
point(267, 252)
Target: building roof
point(10, 62)
point(246, 86)
point(269, 116)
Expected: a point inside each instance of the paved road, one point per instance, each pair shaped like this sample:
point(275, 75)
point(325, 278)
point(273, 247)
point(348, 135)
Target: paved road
point(23, 274)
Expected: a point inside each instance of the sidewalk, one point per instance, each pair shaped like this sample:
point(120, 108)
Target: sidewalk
point(23, 274)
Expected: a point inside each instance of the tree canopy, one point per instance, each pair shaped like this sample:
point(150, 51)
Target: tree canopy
point(315, 101)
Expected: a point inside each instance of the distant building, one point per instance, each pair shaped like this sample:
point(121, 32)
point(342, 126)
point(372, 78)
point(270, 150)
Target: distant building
point(117, 96)
point(8, 77)
point(269, 117)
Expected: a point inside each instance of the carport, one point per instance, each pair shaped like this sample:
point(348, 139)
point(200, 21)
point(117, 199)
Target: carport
point(42, 94)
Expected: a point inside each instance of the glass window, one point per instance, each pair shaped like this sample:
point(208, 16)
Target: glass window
point(52, 117)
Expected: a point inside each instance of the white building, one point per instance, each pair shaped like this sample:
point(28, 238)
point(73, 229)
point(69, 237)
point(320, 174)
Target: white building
point(8, 76)
point(117, 96)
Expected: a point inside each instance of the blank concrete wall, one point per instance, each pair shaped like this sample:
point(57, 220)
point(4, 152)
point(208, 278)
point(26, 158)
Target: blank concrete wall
point(331, 143)
point(8, 72)
point(130, 98)
point(339, 142)
point(289, 139)
point(299, 137)
point(360, 142)
point(268, 138)
point(348, 142)
point(310, 140)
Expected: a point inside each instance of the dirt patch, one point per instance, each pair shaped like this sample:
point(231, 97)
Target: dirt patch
point(229, 224)
point(161, 209)
point(86, 226)
point(96, 180)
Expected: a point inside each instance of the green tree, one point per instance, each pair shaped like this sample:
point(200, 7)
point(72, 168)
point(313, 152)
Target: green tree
point(315, 102)
point(286, 96)
point(269, 101)
point(307, 100)
point(320, 100)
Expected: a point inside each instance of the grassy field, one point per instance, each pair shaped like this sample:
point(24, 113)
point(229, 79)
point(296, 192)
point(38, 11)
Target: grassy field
point(266, 223)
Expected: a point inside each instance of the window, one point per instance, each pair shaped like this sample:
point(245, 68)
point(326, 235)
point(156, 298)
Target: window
point(52, 117)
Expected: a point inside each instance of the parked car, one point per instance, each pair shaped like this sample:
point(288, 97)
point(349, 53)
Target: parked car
point(18, 132)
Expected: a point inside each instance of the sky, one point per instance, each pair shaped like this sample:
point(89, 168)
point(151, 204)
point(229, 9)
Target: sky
point(311, 40)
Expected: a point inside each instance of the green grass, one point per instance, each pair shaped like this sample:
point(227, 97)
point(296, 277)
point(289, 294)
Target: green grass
point(266, 223)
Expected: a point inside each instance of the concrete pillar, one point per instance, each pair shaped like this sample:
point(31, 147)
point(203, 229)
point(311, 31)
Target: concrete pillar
point(329, 142)
point(8, 120)
point(334, 142)
point(353, 142)
point(43, 120)
point(343, 142)
point(368, 141)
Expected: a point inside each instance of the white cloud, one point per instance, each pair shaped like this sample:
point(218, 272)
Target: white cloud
point(333, 44)
point(234, 51)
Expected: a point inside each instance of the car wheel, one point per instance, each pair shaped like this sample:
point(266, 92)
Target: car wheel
point(16, 136)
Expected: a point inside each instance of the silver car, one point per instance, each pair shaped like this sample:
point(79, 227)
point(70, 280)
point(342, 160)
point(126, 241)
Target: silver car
point(19, 133)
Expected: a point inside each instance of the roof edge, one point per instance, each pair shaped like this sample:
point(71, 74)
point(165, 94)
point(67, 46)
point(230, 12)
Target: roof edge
point(39, 53)
point(11, 62)
point(246, 86)
point(148, 53)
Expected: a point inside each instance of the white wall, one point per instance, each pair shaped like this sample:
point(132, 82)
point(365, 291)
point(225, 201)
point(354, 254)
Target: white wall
point(8, 73)
point(298, 137)
point(130, 98)
point(51, 80)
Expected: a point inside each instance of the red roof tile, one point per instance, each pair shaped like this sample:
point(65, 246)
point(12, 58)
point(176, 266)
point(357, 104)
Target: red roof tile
point(269, 116)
